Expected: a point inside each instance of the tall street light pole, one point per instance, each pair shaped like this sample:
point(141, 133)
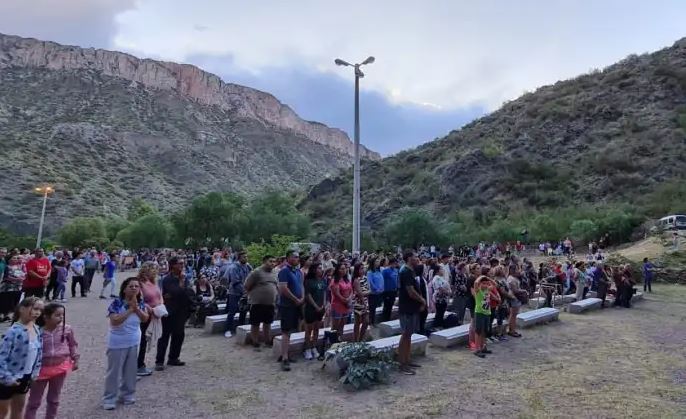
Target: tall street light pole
point(356, 169)
point(45, 190)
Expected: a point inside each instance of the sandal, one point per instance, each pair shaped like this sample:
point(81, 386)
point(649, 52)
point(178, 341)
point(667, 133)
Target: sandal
point(515, 334)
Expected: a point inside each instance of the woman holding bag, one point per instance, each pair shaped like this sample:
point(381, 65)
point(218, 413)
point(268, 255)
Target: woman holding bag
point(60, 357)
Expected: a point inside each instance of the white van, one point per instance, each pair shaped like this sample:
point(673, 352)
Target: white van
point(672, 222)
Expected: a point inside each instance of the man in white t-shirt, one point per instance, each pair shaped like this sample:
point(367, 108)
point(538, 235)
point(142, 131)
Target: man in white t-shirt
point(78, 269)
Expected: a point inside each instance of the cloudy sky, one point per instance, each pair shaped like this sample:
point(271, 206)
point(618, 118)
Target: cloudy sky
point(439, 64)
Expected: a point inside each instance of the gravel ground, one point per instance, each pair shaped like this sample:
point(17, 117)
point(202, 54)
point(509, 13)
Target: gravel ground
point(611, 363)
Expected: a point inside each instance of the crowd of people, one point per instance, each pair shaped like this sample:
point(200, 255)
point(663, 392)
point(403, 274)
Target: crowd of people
point(172, 289)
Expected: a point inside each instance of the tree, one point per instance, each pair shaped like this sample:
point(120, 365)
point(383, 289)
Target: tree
point(412, 227)
point(113, 225)
point(149, 231)
point(211, 219)
point(583, 230)
point(274, 213)
point(82, 231)
point(276, 247)
point(139, 208)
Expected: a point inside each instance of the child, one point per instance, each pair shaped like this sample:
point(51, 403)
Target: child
point(441, 294)
point(482, 309)
point(20, 357)
point(108, 274)
point(125, 314)
point(60, 356)
point(62, 275)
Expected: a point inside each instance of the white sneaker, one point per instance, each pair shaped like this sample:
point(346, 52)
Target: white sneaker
point(307, 354)
point(228, 334)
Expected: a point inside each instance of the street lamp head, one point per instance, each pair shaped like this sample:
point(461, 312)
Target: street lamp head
point(338, 61)
point(369, 60)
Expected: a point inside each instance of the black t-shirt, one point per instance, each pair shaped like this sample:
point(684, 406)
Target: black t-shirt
point(470, 298)
point(407, 305)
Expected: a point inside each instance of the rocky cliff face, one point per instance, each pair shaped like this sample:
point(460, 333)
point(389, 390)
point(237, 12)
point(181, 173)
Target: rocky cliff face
point(188, 80)
point(105, 127)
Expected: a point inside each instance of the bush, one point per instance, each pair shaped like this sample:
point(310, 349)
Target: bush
point(362, 365)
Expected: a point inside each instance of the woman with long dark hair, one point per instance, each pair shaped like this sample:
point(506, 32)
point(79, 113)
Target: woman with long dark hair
point(315, 306)
point(125, 314)
point(341, 298)
point(361, 307)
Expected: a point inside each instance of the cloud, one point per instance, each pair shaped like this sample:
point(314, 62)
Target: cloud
point(386, 127)
point(87, 23)
point(443, 53)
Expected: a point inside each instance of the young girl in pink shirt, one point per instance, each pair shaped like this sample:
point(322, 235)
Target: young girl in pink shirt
point(60, 357)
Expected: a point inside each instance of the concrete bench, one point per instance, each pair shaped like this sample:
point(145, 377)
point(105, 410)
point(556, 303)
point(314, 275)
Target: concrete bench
point(392, 327)
point(534, 317)
point(243, 332)
point(417, 347)
point(558, 300)
point(450, 337)
point(297, 342)
point(379, 313)
point(217, 323)
point(585, 305)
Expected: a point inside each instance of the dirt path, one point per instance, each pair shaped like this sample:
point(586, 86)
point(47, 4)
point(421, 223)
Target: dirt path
point(611, 363)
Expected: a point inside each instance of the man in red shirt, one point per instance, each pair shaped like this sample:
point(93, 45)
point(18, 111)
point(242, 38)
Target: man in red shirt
point(37, 275)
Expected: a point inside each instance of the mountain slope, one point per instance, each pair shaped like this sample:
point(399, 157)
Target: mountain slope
point(605, 137)
point(105, 127)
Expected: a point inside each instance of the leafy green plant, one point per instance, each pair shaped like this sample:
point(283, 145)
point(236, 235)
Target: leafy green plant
point(364, 364)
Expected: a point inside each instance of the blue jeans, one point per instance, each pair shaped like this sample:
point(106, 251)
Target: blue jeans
point(231, 310)
point(61, 287)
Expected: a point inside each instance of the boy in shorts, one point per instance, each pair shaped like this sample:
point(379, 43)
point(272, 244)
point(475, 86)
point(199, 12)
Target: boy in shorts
point(482, 313)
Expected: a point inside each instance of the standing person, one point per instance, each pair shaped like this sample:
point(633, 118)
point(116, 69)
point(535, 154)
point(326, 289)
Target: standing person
point(361, 307)
point(52, 282)
point(20, 357)
point(390, 288)
point(580, 279)
point(291, 291)
point(77, 268)
point(262, 289)
point(460, 292)
point(483, 288)
point(60, 357)
point(91, 265)
point(410, 305)
point(125, 314)
point(647, 275)
point(603, 284)
point(37, 275)
point(152, 297)
point(61, 281)
point(108, 275)
point(515, 304)
point(10, 286)
point(440, 295)
point(178, 303)
point(315, 306)
point(341, 298)
point(376, 287)
point(237, 303)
